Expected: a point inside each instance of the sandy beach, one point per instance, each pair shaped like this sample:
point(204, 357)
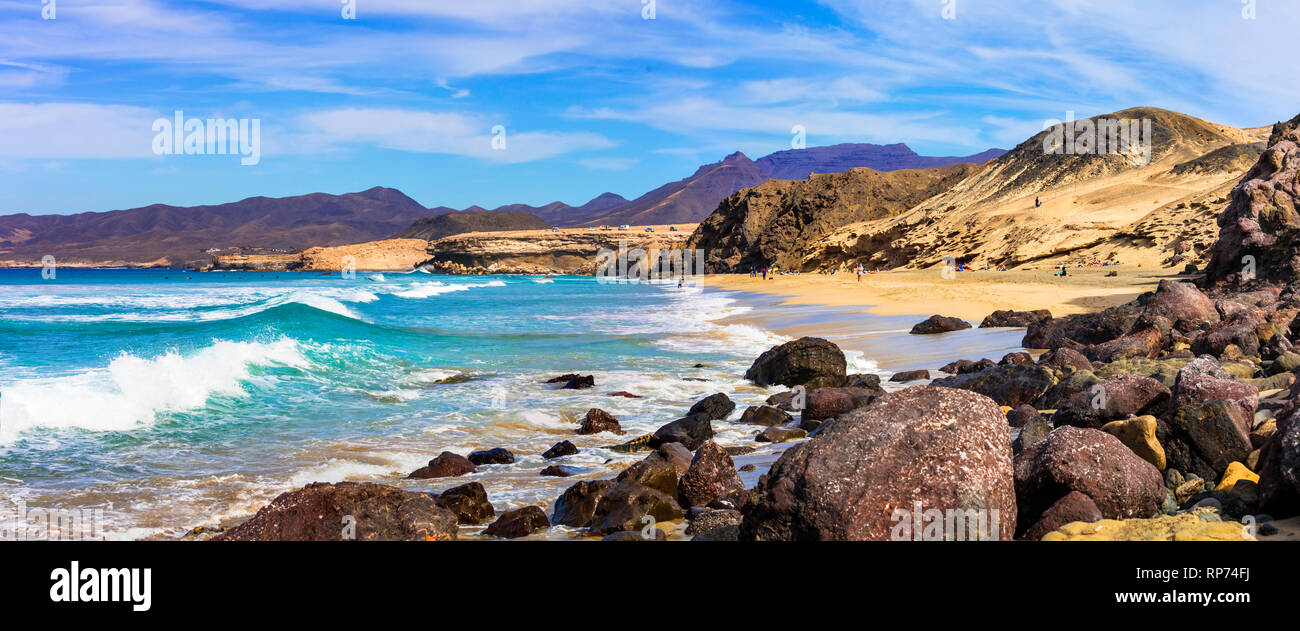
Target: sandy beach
point(967, 295)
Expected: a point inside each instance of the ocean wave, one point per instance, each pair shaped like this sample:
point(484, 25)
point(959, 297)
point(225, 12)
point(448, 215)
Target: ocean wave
point(437, 288)
point(131, 391)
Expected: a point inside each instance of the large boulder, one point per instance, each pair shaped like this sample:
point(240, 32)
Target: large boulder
point(1075, 506)
point(1011, 385)
point(823, 403)
point(1091, 462)
point(939, 324)
point(1196, 388)
point(1139, 434)
point(716, 406)
point(1012, 318)
point(811, 362)
point(1183, 305)
point(1076, 331)
point(711, 476)
point(947, 449)
point(446, 465)
point(577, 504)
point(1065, 359)
point(1204, 439)
point(1279, 475)
point(1143, 343)
point(659, 471)
point(517, 523)
point(496, 455)
point(691, 432)
point(348, 510)
point(1113, 399)
point(469, 502)
point(1261, 221)
point(765, 415)
point(628, 504)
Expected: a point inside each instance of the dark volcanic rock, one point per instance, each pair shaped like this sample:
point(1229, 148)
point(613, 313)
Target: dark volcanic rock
point(446, 465)
point(1065, 359)
point(1022, 415)
point(910, 375)
point(1279, 471)
point(597, 420)
point(626, 506)
point(1196, 388)
point(469, 502)
point(811, 362)
point(705, 521)
point(316, 512)
point(636, 535)
point(1007, 385)
point(691, 432)
point(498, 455)
point(721, 533)
point(656, 471)
point(765, 415)
point(823, 403)
point(1183, 305)
point(1143, 343)
point(1080, 330)
point(868, 381)
point(1113, 399)
point(576, 505)
point(1011, 318)
point(939, 324)
point(1016, 358)
point(559, 471)
point(712, 475)
point(580, 382)
point(716, 407)
point(560, 449)
point(945, 448)
point(1204, 439)
point(1034, 430)
point(1075, 506)
point(1089, 461)
point(781, 435)
point(518, 523)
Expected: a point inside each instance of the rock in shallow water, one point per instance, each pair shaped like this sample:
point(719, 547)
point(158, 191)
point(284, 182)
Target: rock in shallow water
point(711, 475)
point(578, 503)
point(375, 512)
point(716, 406)
point(469, 502)
point(446, 465)
point(939, 324)
point(559, 450)
point(519, 523)
point(946, 448)
point(597, 420)
point(811, 362)
point(766, 415)
point(497, 455)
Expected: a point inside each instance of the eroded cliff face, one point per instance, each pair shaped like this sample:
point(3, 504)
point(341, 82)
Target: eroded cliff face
point(1156, 205)
point(542, 252)
point(1259, 236)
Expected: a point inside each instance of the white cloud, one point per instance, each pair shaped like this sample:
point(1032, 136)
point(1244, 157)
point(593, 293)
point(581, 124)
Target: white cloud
point(75, 130)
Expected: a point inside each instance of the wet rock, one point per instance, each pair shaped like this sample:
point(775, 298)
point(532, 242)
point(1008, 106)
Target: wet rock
point(560, 471)
point(446, 465)
point(469, 502)
point(811, 362)
point(1139, 435)
point(910, 375)
point(677, 455)
point(945, 448)
point(1074, 506)
point(690, 431)
point(640, 443)
point(577, 504)
point(377, 512)
point(765, 415)
point(705, 521)
point(655, 471)
point(1091, 462)
point(625, 394)
point(1007, 385)
point(823, 403)
point(939, 324)
point(573, 381)
point(715, 406)
point(559, 450)
point(626, 506)
point(1022, 415)
point(780, 435)
point(712, 475)
point(1204, 439)
point(498, 455)
point(597, 420)
point(1012, 318)
point(518, 523)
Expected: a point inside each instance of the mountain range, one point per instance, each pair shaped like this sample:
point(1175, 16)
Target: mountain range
point(171, 235)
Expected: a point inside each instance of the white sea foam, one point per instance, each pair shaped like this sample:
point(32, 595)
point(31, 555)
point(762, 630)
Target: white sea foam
point(131, 391)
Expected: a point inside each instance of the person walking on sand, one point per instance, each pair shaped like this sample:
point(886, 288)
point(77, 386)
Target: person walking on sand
point(1037, 203)
point(764, 273)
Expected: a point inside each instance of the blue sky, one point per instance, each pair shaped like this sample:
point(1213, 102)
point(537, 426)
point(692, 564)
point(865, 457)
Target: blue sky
point(593, 97)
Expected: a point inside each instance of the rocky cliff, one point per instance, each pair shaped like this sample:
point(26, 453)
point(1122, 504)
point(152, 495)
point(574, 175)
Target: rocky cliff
point(433, 228)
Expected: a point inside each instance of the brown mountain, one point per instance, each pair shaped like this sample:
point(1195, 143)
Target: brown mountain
point(173, 235)
point(457, 222)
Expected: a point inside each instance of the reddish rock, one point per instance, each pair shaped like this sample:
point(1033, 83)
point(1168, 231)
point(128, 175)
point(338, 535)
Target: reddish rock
point(1196, 388)
point(945, 448)
point(1065, 359)
point(1182, 304)
point(1204, 439)
point(577, 504)
point(1075, 506)
point(625, 394)
point(657, 471)
point(373, 512)
point(597, 420)
point(1022, 415)
point(823, 403)
point(1089, 461)
point(811, 362)
point(446, 465)
point(1011, 386)
point(712, 475)
point(1144, 343)
point(518, 523)
point(559, 471)
point(1113, 399)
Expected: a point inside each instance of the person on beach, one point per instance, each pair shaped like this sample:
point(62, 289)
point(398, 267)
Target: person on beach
point(764, 273)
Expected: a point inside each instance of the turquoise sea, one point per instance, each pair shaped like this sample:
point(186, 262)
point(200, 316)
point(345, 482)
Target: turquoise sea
point(172, 399)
